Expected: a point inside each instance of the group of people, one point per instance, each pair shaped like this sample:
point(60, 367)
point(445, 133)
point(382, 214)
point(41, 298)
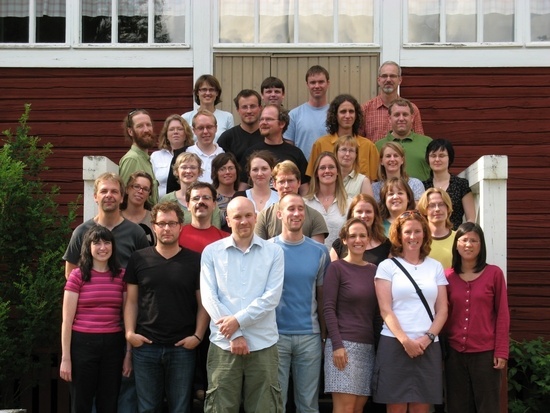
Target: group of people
point(226, 264)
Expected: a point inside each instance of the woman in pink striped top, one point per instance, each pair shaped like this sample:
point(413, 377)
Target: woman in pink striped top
point(92, 337)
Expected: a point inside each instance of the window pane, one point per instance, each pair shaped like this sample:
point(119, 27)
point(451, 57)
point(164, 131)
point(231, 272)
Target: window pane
point(461, 21)
point(316, 22)
point(236, 21)
point(50, 21)
point(423, 21)
point(540, 20)
point(498, 21)
point(132, 21)
point(14, 22)
point(169, 21)
point(276, 21)
point(96, 21)
point(356, 21)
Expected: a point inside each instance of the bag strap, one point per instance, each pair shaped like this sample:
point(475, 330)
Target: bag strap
point(416, 287)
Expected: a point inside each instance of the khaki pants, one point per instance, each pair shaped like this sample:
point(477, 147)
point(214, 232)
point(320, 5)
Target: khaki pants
point(252, 378)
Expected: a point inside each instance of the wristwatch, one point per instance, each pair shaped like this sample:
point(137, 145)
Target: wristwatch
point(431, 336)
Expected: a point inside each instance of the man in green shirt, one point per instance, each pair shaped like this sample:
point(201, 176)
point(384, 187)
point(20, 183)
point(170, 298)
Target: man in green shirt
point(401, 117)
point(139, 130)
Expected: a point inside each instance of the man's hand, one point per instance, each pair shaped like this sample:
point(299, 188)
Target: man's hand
point(137, 340)
point(228, 325)
point(239, 346)
point(189, 342)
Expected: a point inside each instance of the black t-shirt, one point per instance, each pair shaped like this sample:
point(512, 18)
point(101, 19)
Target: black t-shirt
point(282, 152)
point(167, 303)
point(237, 141)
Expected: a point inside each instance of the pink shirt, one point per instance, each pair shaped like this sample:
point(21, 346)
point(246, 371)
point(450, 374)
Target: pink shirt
point(377, 120)
point(479, 319)
point(99, 308)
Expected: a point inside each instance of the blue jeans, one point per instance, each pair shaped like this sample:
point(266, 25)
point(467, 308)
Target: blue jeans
point(161, 369)
point(302, 353)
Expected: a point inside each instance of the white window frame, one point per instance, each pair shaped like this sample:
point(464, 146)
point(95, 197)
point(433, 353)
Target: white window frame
point(257, 47)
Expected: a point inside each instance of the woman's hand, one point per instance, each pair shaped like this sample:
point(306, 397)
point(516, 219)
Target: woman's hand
point(340, 358)
point(65, 370)
point(413, 347)
point(499, 363)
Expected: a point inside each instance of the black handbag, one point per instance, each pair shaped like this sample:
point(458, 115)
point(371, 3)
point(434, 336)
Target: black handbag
point(443, 343)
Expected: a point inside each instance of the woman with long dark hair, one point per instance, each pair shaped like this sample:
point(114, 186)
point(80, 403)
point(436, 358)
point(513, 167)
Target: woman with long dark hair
point(478, 326)
point(92, 336)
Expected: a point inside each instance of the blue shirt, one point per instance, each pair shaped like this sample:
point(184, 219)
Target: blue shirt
point(247, 285)
point(306, 262)
point(307, 124)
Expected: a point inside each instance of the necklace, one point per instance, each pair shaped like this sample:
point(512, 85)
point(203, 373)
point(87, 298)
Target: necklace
point(413, 264)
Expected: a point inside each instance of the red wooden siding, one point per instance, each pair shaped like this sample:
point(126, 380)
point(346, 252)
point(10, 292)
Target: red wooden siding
point(80, 111)
point(502, 111)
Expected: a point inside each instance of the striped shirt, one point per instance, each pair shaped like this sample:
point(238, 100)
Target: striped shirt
point(99, 308)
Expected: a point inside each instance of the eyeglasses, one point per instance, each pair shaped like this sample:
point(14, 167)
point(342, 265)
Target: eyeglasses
point(388, 76)
point(171, 224)
point(178, 129)
point(347, 150)
point(268, 120)
point(465, 241)
point(407, 214)
point(225, 169)
point(188, 167)
point(209, 128)
point(197, 198)
point(207, 90)
point(138, 188)
point(439, 205)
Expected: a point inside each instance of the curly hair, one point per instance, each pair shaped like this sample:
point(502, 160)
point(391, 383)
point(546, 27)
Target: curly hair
point(396, 237)
point(332, 114)
point(164, 143)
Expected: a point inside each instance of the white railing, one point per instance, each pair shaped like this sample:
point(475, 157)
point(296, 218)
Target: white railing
point(488, 179)
point(487, 176)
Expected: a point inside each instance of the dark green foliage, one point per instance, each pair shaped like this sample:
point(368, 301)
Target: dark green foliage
point(33, 235)
point(529, 376)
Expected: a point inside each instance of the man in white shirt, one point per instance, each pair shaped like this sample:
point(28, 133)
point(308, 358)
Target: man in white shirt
point(241, 299)
point(204, 127)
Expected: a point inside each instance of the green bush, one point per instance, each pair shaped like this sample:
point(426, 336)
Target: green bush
point(33, 235)
point(529, 376)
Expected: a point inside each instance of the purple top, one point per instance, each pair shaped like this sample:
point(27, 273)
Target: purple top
point(349, 302)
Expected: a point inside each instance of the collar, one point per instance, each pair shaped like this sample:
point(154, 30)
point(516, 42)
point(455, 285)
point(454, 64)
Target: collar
point(139, 152)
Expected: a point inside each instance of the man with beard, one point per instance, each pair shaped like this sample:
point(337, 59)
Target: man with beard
point(129, 237)
point(164, 318)
point(300, 312)
point(377, 121)
point(241, 284)
point(138, 128)
point(241, 137)
point(273, 123)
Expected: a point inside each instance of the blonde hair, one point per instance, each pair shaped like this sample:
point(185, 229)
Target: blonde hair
point(186, 157)
point(350, 141)
point(425, 200)
point(340, 191)
point(382, 176)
